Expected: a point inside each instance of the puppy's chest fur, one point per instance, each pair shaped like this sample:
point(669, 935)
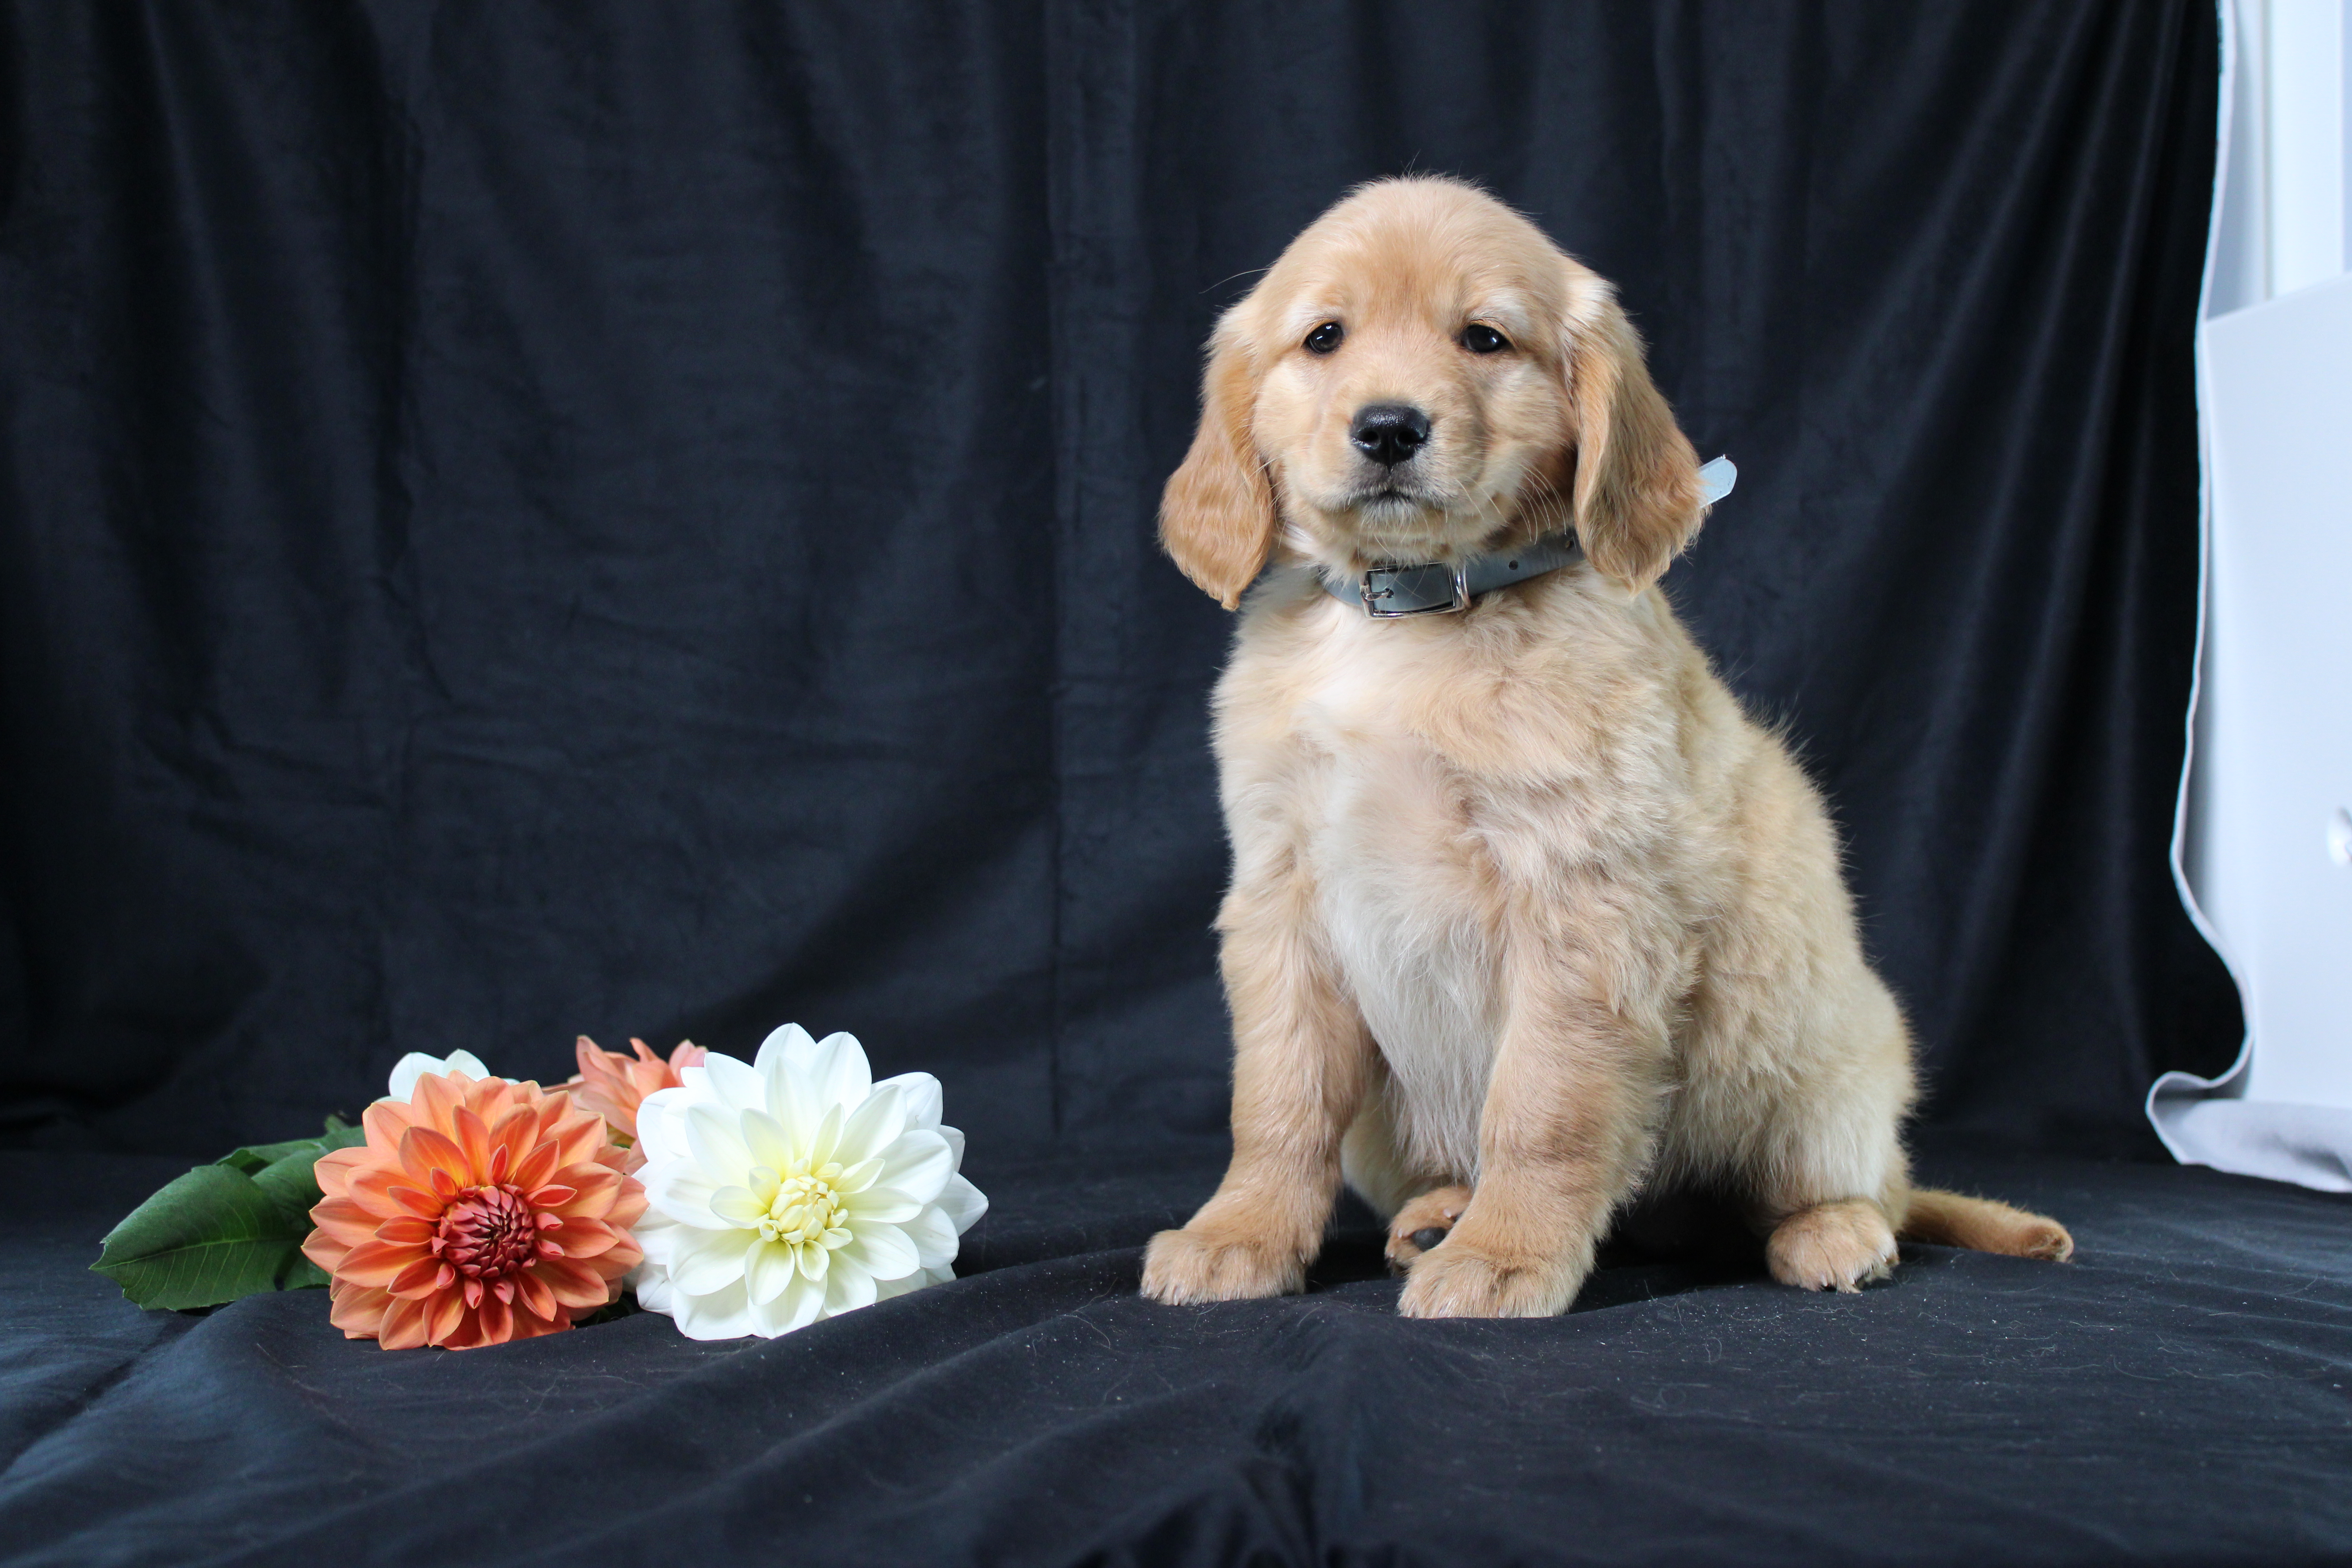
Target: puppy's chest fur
point(1337, 759)
point(1404, 894)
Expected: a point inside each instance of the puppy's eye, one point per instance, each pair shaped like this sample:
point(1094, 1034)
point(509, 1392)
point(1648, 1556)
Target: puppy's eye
point(1481, 338)
point(1325, 338)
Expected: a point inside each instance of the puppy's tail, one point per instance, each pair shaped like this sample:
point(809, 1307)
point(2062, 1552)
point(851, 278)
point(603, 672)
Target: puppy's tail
point(1980, 1224)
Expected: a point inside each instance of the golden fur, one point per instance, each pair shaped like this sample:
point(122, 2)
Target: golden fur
point(1526, 913)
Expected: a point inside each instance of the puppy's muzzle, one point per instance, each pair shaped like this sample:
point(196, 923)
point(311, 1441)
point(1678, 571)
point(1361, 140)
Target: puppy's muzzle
point(1389, 433)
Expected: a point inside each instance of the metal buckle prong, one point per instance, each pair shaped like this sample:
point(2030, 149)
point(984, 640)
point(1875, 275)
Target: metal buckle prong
point(1371, 593)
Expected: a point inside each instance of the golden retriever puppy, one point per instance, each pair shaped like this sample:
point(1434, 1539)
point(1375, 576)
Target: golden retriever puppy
point(1526, 914)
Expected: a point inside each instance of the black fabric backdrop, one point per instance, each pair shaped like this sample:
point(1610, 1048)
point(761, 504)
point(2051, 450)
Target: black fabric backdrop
point(536, 518)
point(532, 518)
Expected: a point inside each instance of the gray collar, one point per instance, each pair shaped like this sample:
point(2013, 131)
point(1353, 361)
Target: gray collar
point(1385, 593)
point(1442, 587)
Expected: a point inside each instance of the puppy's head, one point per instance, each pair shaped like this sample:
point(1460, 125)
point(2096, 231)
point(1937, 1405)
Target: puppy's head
point(1419, 375)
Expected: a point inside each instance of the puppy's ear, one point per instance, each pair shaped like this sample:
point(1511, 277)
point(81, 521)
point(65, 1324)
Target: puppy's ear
point(1637, 490)
point(1216, 516)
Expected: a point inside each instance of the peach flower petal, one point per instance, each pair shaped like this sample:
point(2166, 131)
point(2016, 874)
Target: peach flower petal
point(425, 1276)
point(357, 1312)
point(408, 1230)
point(333, 1170)
point(588, 1237)
point(427, 1153)
point(614, 1085)
point(575, 1284)
point(403, 1325)
point(388, 1193)
point(536, 1295)
point(536, 1167)
point(581, 1141)
point(473, 1140)
point(375, 1265)
point(325, 1251)
point(384, 1120)
point(442, 1316)
point(437, 1095)
point(346, 1222)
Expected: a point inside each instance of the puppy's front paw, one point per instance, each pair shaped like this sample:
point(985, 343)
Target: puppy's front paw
point(1423, 1224)
point(1457, 1280)
point(1192, 1265)
point(1842, 1245)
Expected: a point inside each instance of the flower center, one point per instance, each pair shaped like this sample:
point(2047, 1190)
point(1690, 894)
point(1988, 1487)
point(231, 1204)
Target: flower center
point(806, 1211)
point(488, 1233)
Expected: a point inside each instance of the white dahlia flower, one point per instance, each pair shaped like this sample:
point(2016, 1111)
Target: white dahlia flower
point(794, 1188)
point(416, 1065)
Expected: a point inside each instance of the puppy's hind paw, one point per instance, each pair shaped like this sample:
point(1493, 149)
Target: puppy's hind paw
point(1840, 1245)
point(1186, 1266)
point(1421, 1223)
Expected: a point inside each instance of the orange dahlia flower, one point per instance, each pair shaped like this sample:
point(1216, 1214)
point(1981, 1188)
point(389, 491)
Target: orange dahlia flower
point(482, 1211)
point(614, 1085)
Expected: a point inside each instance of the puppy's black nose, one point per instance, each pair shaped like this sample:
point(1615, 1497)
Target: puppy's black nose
point(1427, 1237)
point(1389, 433)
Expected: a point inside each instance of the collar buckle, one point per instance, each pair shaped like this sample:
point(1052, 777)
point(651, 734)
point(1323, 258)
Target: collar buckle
point(1432, 588)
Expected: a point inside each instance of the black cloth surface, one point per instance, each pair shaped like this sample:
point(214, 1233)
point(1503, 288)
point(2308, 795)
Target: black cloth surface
point(545, 517)
point(2180, 1394)
point(541, 517)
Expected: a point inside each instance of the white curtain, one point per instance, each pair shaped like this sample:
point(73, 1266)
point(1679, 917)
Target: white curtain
point(2262, 844)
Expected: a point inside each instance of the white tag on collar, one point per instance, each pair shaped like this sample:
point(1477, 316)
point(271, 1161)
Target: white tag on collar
point(1716, 480)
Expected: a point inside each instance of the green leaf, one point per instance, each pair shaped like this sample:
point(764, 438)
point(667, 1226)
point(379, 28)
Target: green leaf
point(341, 1134)
point(292, 1185)
point(258, 1157)
point(209, 1236)
point(227, 1229)
point(261, 1156)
